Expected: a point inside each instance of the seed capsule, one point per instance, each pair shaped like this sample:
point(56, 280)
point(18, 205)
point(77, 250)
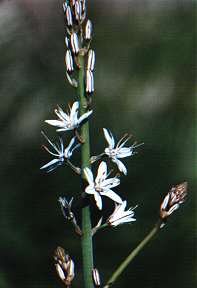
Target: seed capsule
point(88, 30)
point(89, 82)
point(64, 6)
point(96, 277)
point(78, 11)
point(69, 17)
point(91, 60)
point(74, 43)
point(69, 62)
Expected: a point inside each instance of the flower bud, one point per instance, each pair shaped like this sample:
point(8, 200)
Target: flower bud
point(91, 60)
point(64, 5)
point(69, 62)
point(60, 272)
point(64, 266)
point(69, 17)
point(74, 43)
point(89, 82)
point(72, 3)
point(88, 30)
point(96, 277)
point(66, 41)
point(83, 6)
point(78, 11)
point(172, 201)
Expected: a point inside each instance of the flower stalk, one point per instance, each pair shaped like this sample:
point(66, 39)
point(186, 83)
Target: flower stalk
point(131, 256)
point(87, 250)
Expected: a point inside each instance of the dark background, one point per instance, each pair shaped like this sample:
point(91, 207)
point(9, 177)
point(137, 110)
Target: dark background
point(144, 83)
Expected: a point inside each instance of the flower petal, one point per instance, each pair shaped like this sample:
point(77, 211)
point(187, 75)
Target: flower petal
point(102, 172)
point(112, 195)
point(67, 151)
point(61, 114)
point(89, 175)
point(110, 183)
point(55, 123)
point(124, 152)
point(173, 208)
point(74, 111)
point(53, 164)
point(165, 202)
point(109, 138)
point(98, 200)
point(120, 165)
point(90, 189)
point(84, 117)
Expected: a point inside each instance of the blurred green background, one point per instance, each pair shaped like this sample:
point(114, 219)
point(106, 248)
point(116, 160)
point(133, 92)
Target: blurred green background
point(144, 79)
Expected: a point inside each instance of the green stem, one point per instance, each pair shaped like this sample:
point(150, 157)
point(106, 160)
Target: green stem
point(131, 256)
point(87, 250)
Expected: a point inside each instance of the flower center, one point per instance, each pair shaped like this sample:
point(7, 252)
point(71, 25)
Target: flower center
point(111, 152)
point(98, 188)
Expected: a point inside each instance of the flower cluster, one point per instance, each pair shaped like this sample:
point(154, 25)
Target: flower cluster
point(64, 266)
point(78, 26)
point(79, 58)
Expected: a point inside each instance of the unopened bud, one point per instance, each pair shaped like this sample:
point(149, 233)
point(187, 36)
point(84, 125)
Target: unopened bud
point(91, 60)
point(96, 277)
point(64, 266)
point(64, 6)
point(78, 11)
point(60, 272)
point(69, 62)
point(89, 82)
point(74, 43)
point(66, 41)
point(72, 2)
point(59, 254)
point(83, 6)
point(172, 201)
point(88, 30)
point(71, 271)
point(69, 17)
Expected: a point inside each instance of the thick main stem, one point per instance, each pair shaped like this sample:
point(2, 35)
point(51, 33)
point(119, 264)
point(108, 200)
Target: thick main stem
point(131, 256)
point(87, 250)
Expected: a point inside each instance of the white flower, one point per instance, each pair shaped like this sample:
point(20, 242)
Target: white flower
point(101, 185)
point(118, 151)
point(61, 154)
point(69, 121)
point(120, 216)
